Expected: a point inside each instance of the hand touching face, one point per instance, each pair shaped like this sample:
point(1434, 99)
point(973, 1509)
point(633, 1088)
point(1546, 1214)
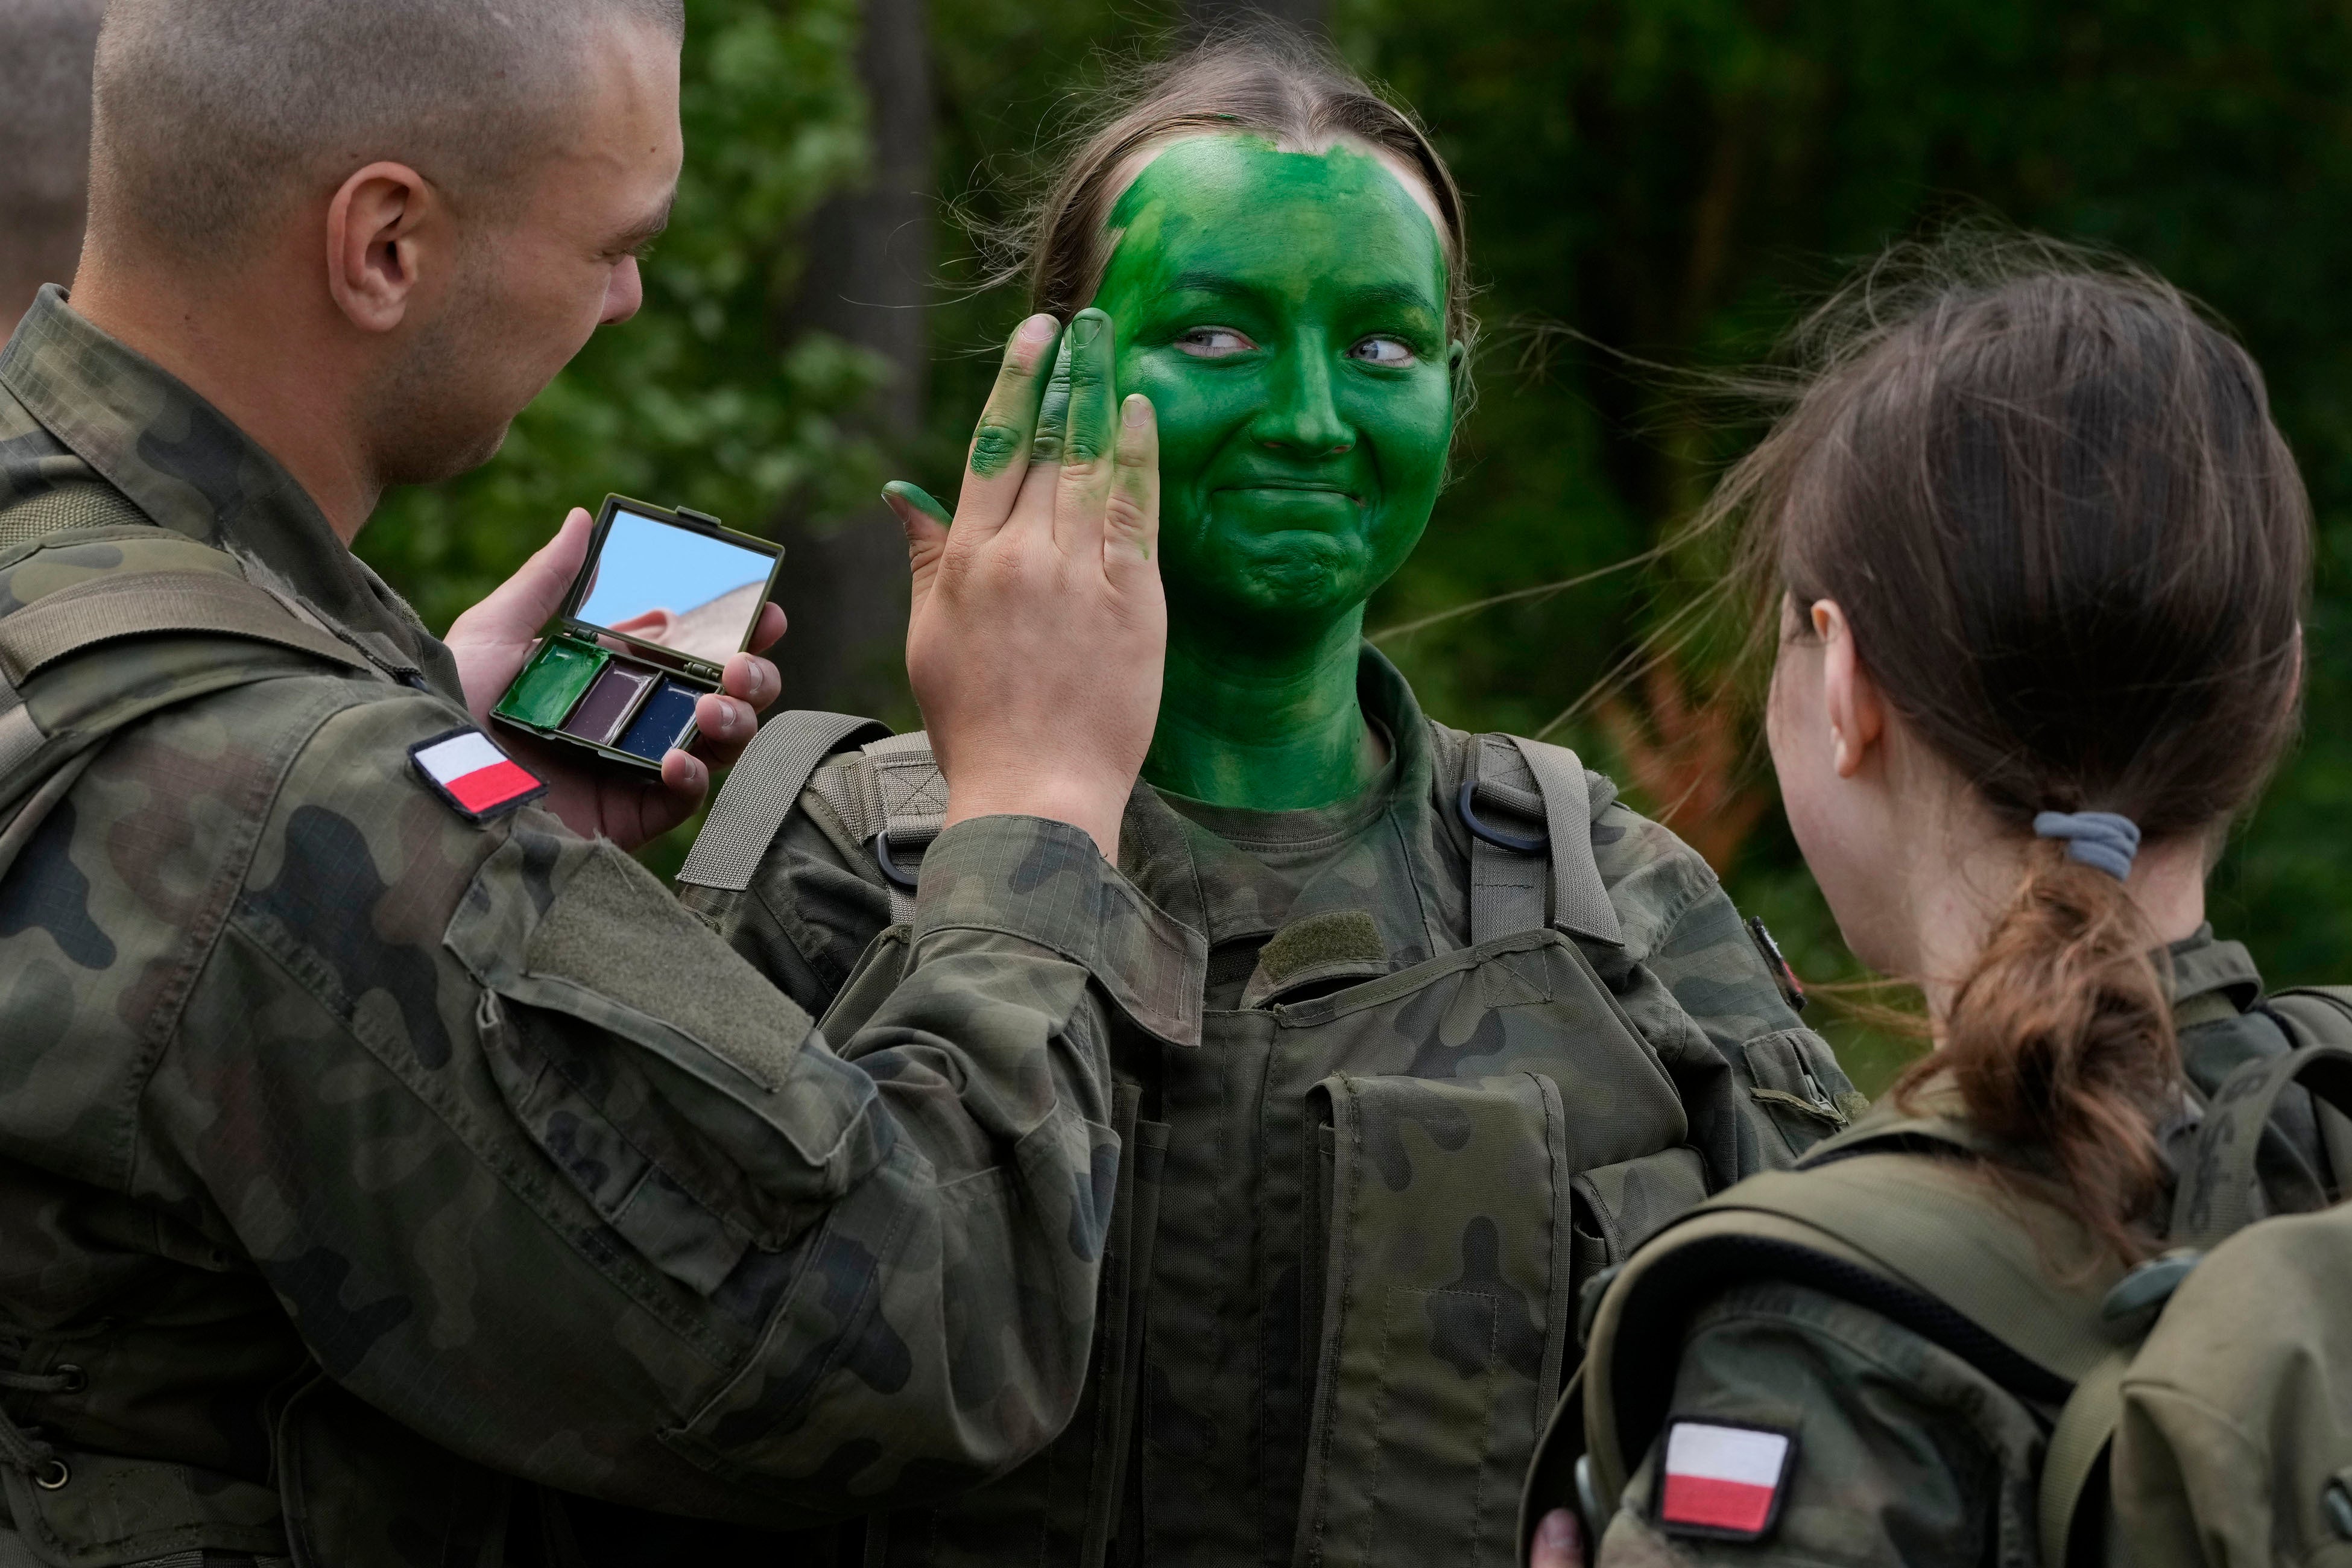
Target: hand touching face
point(1285, 314)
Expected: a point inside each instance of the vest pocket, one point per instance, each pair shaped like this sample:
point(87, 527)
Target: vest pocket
point(1619, 1206)
point(1442, 1211)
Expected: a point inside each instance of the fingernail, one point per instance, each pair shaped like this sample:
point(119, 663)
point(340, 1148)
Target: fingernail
point(1086, 328)
point(1036, 328)
point(1136, 410)
point(1555, 1530)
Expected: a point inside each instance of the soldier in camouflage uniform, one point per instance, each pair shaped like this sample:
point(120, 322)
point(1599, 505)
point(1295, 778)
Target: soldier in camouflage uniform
point(1460, 1027)
point(2001, 454)
point(376, 1168)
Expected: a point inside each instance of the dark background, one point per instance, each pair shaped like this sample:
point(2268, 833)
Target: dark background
point(1667, 182)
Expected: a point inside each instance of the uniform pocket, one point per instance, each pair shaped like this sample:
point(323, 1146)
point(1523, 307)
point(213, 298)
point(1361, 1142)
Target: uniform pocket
point(1442, 1209)
point(696, 1129)
point(1799, 1088)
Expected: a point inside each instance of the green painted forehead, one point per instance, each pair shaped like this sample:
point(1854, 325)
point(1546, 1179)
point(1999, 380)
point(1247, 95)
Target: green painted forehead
point(1342, 208)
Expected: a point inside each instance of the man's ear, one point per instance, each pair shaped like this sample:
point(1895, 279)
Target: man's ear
point(1857, 712)
point(385, 225)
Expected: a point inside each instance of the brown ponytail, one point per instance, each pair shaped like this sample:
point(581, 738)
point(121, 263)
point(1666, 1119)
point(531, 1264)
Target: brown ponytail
point(2075, 551)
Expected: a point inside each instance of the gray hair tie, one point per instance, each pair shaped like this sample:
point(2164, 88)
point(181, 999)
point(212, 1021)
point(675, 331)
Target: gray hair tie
point(2099, 838)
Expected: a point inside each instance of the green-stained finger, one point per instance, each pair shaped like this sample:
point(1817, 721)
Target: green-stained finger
point(1006, 425)
point(1053, 409)
point(920, 499)
point(1092, 421)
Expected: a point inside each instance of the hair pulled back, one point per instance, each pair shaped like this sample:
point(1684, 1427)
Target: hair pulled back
point(1264, 79)
point(2075, 551)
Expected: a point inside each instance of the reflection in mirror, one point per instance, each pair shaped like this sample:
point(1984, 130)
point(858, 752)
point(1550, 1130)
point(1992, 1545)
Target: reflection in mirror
point(684, 591)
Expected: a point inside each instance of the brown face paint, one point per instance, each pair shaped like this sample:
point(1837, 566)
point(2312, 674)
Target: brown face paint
point(609, 705)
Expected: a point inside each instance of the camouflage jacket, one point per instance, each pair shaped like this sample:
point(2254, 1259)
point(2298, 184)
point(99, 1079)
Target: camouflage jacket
point(359, 1158)
point(1905, 1453)
point(1346, 1262)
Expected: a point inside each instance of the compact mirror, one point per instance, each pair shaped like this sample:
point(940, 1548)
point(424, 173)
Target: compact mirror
point(678, 588)
point(665, 598)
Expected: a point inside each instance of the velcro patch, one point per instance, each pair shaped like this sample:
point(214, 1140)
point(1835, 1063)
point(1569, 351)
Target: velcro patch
point(465, 769)
point(1722, 1481)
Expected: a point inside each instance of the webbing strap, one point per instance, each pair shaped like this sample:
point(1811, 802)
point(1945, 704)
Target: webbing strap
point(2216, 1195)
point(2077, 1444)
point(1579, 901)
point(762, 791)
point(140, 603)
point(1511, 889)
point(909, 807)
point(1507, 885)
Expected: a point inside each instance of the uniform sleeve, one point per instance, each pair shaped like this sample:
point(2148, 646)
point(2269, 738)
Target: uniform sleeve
point(1699, 965)
point(543, 1169)
point(1905, 1456)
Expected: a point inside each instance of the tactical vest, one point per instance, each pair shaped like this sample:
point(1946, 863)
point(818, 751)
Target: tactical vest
point(2199, 1404)
point(93, 639)
point(1349, 1228)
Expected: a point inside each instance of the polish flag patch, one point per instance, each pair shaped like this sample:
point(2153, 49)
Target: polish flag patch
point(471, 774)
point(1724, 1482)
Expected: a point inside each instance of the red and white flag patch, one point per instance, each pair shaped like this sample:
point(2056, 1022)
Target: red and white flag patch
point(471, 774)
point(1724, 1481)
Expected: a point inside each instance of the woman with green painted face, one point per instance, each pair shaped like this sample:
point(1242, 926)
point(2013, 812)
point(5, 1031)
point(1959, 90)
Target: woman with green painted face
point(1431, 1029)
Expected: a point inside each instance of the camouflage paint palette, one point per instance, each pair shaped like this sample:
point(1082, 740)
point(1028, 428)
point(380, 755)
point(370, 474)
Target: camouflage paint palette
point(666, 598)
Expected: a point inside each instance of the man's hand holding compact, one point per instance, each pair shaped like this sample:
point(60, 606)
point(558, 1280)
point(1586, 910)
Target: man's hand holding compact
point(493, 640)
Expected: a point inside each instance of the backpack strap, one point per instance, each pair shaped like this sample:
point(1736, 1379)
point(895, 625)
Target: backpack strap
point(2214, 1199)
point(760, 792)
point(2320, 1016)
point(1509, 890)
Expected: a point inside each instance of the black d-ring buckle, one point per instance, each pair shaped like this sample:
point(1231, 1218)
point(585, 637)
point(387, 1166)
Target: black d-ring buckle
point(1495, 836)
point(890, 869)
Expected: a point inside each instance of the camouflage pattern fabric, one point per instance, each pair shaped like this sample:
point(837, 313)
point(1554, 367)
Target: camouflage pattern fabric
point(362, 1160)
point(1905, 1453)
point(1347, 1261)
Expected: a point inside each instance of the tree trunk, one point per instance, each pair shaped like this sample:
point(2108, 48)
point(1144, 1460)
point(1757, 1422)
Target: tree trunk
point(867, 282)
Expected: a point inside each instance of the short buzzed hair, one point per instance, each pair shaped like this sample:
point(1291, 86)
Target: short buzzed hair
point(213, 114)
point(45, 55)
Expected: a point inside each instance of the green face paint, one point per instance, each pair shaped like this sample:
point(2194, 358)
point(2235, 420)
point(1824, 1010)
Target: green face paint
point(559, 674)
point(1285, 313)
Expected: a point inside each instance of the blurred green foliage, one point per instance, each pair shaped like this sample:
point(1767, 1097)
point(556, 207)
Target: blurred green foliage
point(1650, 182)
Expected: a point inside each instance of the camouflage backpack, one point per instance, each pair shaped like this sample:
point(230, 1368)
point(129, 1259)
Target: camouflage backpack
point(2202, 1399)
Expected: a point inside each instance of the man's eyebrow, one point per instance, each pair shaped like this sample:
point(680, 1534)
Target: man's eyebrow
point(630, 238)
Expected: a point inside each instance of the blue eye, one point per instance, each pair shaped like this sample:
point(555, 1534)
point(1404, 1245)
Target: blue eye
point(1214, 343)
point(1383, 350)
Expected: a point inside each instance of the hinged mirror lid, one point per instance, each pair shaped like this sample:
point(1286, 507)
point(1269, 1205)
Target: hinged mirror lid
point(672, 584)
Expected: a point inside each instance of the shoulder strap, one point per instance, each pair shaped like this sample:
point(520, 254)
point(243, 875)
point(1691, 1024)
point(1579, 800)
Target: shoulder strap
point(75, 619)
point(763, 789)
point(1509, 890)
point(2320, 1016)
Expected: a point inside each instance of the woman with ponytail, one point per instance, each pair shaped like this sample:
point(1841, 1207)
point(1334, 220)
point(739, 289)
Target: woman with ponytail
point(2034, 557)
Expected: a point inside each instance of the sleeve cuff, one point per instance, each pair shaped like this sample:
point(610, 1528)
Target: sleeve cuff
point(1046, 883)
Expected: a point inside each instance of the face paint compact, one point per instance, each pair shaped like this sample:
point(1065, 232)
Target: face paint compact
point(666, 597)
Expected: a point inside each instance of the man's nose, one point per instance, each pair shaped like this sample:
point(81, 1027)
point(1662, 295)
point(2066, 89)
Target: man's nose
point(623, 292)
